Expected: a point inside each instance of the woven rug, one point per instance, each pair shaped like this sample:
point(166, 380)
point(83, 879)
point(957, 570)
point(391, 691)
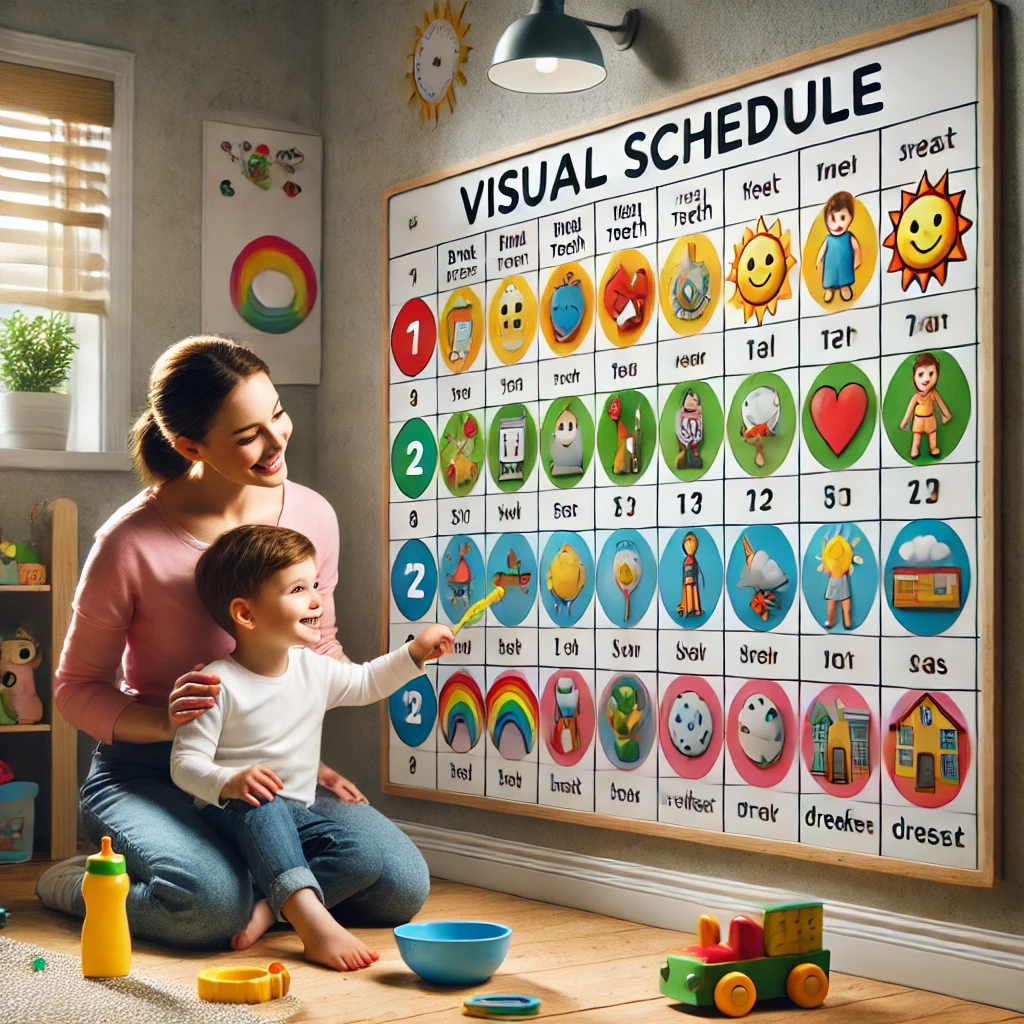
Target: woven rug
point(60, 995)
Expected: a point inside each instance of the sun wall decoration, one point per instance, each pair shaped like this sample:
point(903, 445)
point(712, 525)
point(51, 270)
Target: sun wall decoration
point(761, 269)
point(437, 59)
point(927, 232)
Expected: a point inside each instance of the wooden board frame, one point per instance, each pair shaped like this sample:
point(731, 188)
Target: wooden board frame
point(989, 765)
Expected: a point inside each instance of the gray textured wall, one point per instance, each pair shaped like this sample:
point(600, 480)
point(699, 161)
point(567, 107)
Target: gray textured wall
point(232, 60)
point(373, 139)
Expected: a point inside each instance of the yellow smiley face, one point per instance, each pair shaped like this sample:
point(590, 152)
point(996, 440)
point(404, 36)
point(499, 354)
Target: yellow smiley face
point(927, 232)
point(761, 269)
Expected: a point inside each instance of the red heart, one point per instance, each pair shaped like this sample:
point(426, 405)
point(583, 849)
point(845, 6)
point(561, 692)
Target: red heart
point(838, 417)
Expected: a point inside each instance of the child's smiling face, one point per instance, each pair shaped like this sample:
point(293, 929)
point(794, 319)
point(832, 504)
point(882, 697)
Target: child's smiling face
point(925, 377)
point(288, 607)
point(838, 221)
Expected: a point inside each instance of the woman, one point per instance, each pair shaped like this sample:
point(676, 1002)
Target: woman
point(212, 447)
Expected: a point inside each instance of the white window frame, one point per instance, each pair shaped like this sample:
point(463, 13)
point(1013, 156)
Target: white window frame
point(117, 66)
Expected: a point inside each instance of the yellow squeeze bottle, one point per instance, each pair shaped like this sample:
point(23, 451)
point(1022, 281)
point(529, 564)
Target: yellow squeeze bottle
point(106, 943)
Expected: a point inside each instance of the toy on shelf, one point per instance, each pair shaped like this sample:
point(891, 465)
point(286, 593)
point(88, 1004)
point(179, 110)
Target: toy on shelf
point(19, 658)
point(244, 984)
point(781, 956)
point(20, 563)
point(106, 941)
point(6, 773)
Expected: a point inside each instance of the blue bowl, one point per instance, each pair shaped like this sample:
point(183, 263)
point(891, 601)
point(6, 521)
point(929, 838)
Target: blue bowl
point(453, 952)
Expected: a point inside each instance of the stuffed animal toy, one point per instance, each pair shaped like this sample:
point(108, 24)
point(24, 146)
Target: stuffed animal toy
point(19, 658)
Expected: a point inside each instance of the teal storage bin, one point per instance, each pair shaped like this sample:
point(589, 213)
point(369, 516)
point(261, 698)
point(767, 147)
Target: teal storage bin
point(17, 821)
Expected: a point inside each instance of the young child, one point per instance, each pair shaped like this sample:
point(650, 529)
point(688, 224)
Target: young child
point(922, 405)
point(840, 253)
point(251, 759)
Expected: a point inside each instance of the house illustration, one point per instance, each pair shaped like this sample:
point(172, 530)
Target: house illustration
point(914, 587)
point(841, 743)
point(927, 738)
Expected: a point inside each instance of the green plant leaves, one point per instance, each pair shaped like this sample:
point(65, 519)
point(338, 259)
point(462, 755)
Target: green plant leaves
point(36, 354)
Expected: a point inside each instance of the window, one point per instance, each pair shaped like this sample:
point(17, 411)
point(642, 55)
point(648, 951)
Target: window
point(906, 758)
point(926, 715)
point(906, 738)
point(947, 739)
point(65, 219)
point(950, 768)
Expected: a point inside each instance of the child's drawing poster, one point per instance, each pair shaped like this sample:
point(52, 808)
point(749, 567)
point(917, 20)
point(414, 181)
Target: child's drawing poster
point(709, 394)
point(262, 212)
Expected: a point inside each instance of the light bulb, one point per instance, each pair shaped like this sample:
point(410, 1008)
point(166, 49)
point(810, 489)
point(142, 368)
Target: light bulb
point(547, 65)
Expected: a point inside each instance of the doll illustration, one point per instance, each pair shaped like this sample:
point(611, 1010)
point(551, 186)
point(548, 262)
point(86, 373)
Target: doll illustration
point(922, 406)
point(840, 254)
point(689, 602)
point(837, 560)
point(689, 431)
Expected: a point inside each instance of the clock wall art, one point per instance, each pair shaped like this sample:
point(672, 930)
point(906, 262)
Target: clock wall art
point(437, 59)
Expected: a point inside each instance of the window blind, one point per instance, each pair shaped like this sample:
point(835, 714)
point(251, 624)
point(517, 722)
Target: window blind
point(55, 146)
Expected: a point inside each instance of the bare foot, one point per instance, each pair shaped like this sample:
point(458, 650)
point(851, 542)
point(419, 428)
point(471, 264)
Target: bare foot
point(324, 941)
point(262, 918)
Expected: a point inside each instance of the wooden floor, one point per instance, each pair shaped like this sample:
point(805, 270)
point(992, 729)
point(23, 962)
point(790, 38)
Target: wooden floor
point(586, 968)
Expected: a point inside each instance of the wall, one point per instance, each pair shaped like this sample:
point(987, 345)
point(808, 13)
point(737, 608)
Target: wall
point(374, 139)
point(257, 63)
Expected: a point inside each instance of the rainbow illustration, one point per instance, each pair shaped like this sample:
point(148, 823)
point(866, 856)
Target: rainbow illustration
point(460, 712)
point(271, 252)
point(512, 716)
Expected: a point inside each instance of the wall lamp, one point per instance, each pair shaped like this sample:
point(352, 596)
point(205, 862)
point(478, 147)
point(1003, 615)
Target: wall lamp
point(551, 51)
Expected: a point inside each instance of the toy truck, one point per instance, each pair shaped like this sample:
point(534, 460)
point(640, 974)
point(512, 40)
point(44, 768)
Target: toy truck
point(781, 957)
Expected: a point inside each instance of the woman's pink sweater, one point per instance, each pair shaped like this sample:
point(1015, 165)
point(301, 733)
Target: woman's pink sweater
point(138, 623)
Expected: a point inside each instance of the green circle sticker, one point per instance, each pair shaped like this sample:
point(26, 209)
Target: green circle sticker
point(839, 415)
point(566, 441)
point(413, 458)
point(512, 446)
point(691, 429)
point(461, 446)
point(761, 423)
point(626, 436)
point(927, 407)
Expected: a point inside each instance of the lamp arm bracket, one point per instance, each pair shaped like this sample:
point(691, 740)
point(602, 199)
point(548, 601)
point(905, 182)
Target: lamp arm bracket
point(624, 34)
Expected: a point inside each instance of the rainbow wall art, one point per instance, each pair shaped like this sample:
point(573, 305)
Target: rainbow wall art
point(271, 252)
point(461, 713)
point(512, 716)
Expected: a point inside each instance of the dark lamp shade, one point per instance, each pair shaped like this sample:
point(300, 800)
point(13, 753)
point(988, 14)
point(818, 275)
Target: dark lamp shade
point(564, 46)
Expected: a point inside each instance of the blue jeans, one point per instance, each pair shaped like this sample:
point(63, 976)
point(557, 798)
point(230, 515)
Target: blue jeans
point(286, 846)
point(191, 889)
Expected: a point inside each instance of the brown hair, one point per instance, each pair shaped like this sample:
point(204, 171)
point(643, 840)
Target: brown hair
point(186, 388)
point(239, 562)
point(926, 359)
point(839, 201)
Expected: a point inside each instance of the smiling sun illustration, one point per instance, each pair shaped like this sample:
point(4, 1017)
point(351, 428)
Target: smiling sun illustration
point(760, 270)
point(927, 232)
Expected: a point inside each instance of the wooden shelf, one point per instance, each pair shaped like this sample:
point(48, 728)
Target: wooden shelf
point(38, 727)
point(25, 588)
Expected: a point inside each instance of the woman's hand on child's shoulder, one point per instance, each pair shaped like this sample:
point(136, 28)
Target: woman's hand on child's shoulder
point(432, 643)
point(192, 694)
point(256, 785)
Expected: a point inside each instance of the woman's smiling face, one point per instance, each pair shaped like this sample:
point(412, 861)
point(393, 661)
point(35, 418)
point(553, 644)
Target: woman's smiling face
point(247, 440)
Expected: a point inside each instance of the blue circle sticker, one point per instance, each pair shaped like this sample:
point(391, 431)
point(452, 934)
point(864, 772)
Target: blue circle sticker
point(414, 580)
point(513, 566)
point(413, 711)
point(927, 577)
point(567, 571)
point(761, 577)
point(690, 577)
point(463, 581)
point(840, 576)
point(627, 576)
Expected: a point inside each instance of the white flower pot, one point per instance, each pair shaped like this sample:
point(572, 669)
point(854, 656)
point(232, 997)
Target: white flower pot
point(30, 419)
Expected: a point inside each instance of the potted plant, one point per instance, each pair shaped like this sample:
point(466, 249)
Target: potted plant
point(35, 362)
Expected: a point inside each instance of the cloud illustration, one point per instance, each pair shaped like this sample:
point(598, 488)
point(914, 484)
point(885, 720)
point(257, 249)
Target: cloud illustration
point(763, 573)
point(921, 549)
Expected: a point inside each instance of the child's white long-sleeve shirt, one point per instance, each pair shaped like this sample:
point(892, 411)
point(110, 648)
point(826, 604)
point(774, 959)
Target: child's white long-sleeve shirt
point(277, 721)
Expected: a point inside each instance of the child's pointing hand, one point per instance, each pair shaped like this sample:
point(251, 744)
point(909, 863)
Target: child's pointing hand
point(432, 643)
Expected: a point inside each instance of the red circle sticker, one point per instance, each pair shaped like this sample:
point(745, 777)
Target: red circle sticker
point(413, 336)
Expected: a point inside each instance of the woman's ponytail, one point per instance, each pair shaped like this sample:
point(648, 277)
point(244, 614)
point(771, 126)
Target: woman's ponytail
point(153, 456)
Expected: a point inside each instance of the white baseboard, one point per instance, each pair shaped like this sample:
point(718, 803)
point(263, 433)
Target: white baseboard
point(952, 959)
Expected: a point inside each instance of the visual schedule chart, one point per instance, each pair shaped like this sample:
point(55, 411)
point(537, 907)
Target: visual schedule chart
point(708, 393)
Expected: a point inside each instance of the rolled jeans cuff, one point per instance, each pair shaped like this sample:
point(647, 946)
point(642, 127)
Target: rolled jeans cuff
point(289, 882)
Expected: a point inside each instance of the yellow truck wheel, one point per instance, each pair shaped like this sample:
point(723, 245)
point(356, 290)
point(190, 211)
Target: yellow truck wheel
point(807, 985)
point(735, 994)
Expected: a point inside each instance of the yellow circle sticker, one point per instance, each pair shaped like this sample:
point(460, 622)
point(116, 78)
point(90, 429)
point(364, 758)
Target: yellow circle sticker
point(512, 320)
point(691, 284)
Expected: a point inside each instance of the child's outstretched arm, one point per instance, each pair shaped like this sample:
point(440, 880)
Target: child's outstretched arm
point(351, 684)
point(943, 408)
